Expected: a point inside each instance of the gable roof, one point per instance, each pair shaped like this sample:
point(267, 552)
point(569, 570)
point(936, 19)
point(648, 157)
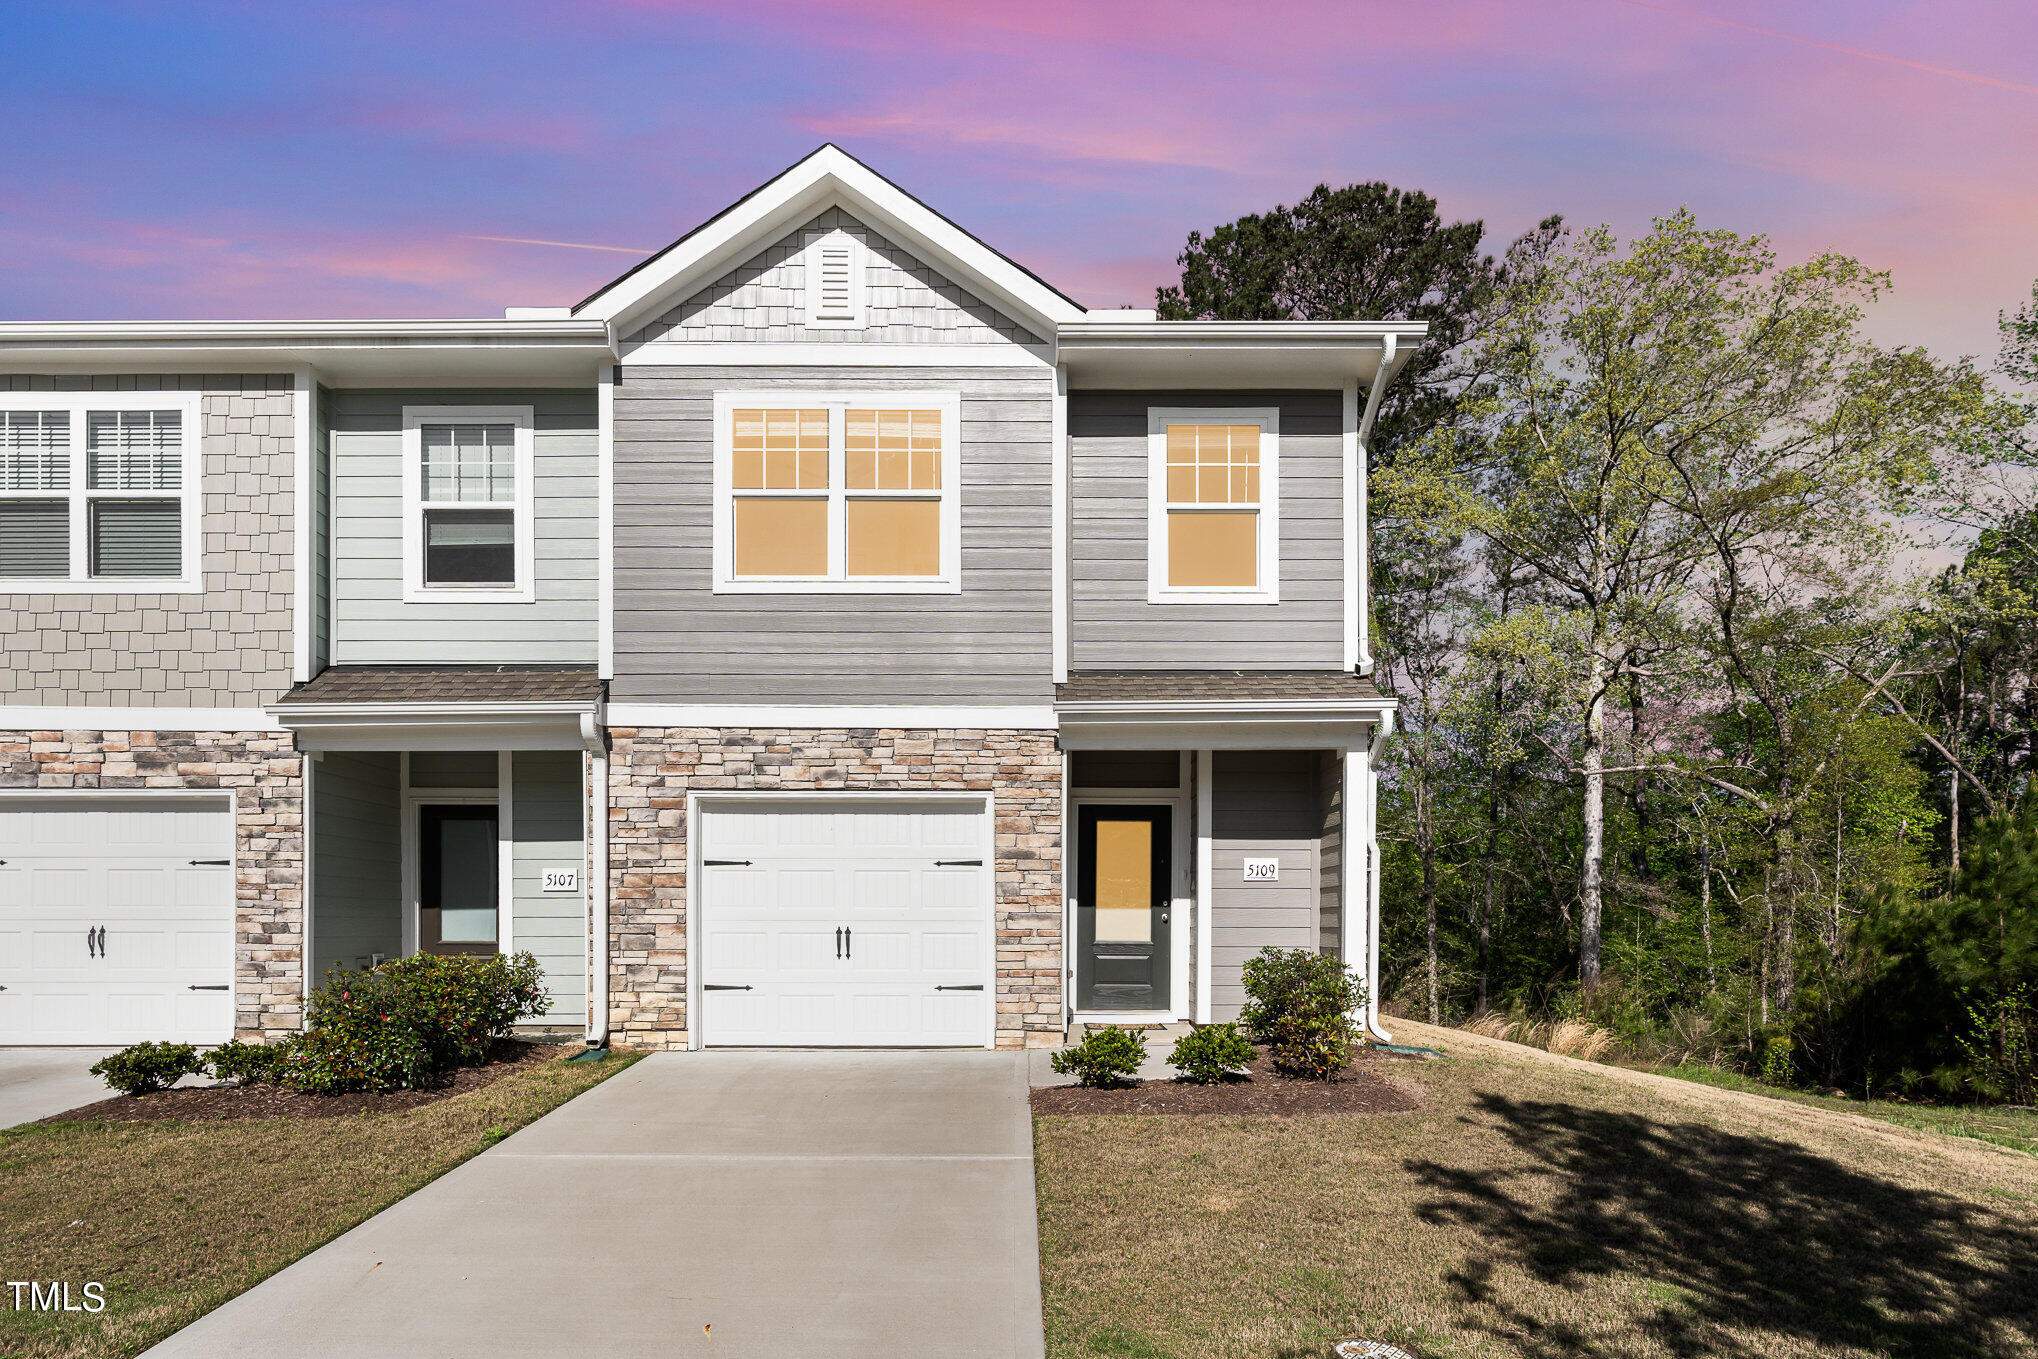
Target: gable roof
point(829, 176)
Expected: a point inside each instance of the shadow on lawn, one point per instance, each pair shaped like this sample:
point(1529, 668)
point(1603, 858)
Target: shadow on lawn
point(1743, 1243)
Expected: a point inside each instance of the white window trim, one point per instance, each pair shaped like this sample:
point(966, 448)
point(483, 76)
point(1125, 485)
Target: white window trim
point(190, 580)
point(838, 404)
point(1158, 418)
point(523, 508)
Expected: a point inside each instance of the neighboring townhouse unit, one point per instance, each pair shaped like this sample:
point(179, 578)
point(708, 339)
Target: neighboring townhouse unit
point(827, 633)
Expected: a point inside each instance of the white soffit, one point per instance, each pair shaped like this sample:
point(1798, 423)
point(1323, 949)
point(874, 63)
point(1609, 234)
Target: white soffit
point(830, 177)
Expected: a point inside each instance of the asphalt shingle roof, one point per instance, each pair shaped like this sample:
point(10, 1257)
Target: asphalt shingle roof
point(450, 684)
point(1216, 686)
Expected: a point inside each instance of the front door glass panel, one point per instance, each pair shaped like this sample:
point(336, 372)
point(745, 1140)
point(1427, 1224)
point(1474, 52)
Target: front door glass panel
point(457, 884)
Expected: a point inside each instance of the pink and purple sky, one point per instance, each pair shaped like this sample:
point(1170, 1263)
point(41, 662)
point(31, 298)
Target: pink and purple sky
point(397, 159)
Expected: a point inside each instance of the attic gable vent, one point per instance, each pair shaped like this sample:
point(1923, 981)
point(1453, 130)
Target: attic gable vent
point(834, 283)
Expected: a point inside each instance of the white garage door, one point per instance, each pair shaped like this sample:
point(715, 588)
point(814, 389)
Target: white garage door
point(851, 924)
point(116, 920)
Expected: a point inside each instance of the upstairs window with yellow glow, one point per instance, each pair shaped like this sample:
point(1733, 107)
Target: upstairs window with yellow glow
point(837, 493)
point(1213, 506)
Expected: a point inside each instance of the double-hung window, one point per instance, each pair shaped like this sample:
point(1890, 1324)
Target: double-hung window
point(837, 493)
point(1213, 506)
point(99, 492)
point(468, 532)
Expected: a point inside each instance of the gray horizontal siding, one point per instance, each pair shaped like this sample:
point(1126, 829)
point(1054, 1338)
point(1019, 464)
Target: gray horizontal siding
point(357, 883)
point(1113, 625)
point(678, 641)
point(1264, 804)
point(545, 797)
point(373, 625)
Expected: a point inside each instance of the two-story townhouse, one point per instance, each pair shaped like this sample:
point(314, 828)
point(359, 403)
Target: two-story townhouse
point(827, 633)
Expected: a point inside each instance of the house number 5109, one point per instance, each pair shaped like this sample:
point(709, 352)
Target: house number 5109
point(1262, 870)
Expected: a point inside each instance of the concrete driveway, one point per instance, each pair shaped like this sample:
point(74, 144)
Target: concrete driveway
point(720, 1203)
point(38, 1082)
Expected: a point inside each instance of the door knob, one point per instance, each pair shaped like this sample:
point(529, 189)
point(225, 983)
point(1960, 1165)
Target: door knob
point(1164, 917)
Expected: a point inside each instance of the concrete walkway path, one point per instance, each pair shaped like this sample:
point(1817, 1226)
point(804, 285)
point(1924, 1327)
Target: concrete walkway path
point(717, 1203)
point(38, 1082)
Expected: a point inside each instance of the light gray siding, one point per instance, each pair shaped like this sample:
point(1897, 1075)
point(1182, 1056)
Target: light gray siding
point(1113, 625)
point(322, 533)
point(1263, 805)
point(677, 641)
point(1330, 858)
point(545, 831)
point(357, 859)
point(906, 301)
point(228, 646)
point(371, 622)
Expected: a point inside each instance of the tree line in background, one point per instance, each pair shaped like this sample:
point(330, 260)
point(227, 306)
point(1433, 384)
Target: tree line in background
point(1699, 737)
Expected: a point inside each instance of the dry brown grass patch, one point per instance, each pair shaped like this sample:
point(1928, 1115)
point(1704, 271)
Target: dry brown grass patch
point(175, 1218)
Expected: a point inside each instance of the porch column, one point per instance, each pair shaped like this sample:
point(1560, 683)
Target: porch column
point(1205, 880)
point(594, 740)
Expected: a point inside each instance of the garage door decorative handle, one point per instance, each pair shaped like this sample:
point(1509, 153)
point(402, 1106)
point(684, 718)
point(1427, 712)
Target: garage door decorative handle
point(973, 986)
point(220, 987)
point(838, 941)
point(102, 941)
point(712, 987)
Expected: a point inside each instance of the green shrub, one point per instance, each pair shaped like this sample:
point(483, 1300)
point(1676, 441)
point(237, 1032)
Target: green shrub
point(1279, 982)
point(1207, 1055)
point(148, 1067)
point(405, 1024)
point(1109, 1056)
point(1314, 1040)
point(249, 1063)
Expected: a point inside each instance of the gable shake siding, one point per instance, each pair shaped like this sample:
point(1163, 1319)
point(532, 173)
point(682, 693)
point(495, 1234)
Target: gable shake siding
point(371, 623)
point(906, 301)
point(679, 642)
point(228, 646)
point(1113, 625)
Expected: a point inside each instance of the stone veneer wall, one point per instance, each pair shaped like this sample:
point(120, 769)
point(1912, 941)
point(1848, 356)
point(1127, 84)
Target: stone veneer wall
point(267, 774)
point(652, 770)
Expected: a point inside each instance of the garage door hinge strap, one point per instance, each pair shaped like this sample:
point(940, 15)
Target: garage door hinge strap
point(213, 863)
point(958, 863)
point(974, 986)
point(220, 987)
point(712, 987)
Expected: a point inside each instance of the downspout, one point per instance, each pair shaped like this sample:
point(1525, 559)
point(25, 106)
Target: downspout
point(593, 737)
point(1381, 730)
point(1381, 377)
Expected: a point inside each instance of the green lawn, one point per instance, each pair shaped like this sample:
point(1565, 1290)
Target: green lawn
point(175, 1218)
point(2016, 1128)
point(1535, 1209)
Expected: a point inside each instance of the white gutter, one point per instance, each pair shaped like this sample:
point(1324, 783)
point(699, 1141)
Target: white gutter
point(1372, 1018)
point(503, 330)
point(1282, 332)
point(592, 737)
point(1381, 377)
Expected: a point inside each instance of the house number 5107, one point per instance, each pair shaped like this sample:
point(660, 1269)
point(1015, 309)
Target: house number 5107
point(561, 880)
point(1262, 870)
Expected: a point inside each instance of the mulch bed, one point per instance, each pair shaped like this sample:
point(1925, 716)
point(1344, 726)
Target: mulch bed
point(1365, 1087)
point(219, 1103)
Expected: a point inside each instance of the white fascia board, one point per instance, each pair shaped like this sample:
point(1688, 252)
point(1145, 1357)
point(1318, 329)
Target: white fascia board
point(830, 175)
point(1244, 710)
point(787, 353)
point(1272, 734)
point(31, 717)
point(295, 713)
point(1310, 333)
point(485, 330)
point(812, 717)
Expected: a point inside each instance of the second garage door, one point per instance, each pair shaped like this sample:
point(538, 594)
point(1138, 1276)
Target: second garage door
point(852, 923)
point(116, 920)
